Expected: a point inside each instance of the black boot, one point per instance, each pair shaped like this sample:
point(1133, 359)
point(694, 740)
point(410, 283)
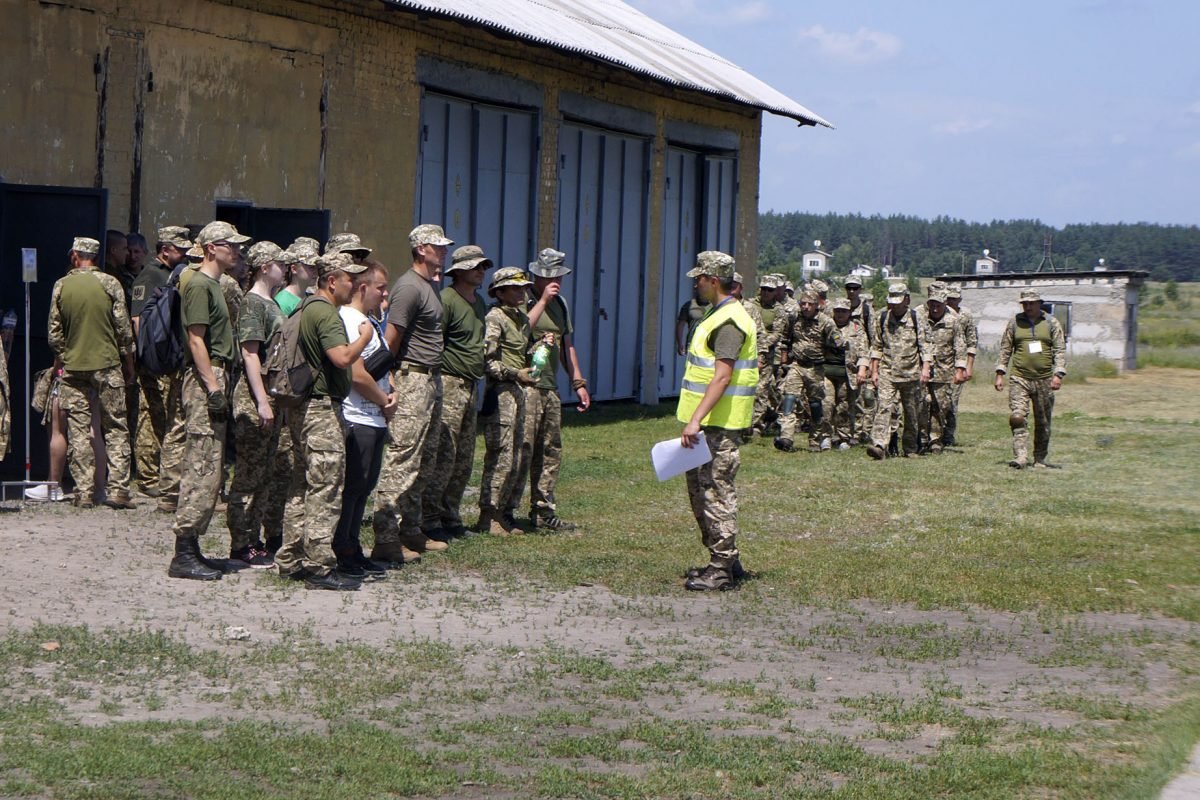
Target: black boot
point(219, 564)
point(186, 563)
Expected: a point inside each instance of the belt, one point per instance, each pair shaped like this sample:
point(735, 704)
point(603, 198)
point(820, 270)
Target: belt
point(219, 362)
point(809, 363)
point(420, 369)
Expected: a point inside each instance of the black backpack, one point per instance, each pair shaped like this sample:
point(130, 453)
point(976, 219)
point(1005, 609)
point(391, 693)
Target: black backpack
point(160, 344)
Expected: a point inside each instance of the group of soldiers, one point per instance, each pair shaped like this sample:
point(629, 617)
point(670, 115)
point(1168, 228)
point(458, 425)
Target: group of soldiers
point(389, 407)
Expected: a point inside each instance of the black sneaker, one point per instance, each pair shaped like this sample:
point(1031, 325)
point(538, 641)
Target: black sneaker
point(254, 555)
point(334, 580)
point(373, 571)
point(348, 566)
point(550, 522)
point(456, 531)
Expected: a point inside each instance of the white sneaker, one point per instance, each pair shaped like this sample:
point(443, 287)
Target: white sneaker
point(44, 493)
point(844, 446)
point(825, 444)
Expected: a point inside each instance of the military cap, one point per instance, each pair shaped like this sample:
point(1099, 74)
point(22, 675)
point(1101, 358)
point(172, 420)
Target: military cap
point(953, 292)
point(469, 256)
point(896, 294)
point(841, 304)
point(768, 281)
point(338, 262)
point(86, 246)
point(428, 234)
point(346, 243)
point(938, 296)
point(220, 231)
point(263, 253)
point(788, 285)
point(1031, 295)
point(936, 286)
point(819, 286)
point(853, 280)
point(550, 264)
point(175, 235)
point(737, 278)
point(809, 296)
point(302, 251)
point(508, 276)
point(713, 263)
point(195, 252)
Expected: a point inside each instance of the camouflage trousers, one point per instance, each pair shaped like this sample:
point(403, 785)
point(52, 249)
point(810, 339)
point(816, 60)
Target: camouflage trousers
point(249, 491)
point(864, 410)
point(77, 389)
point(409, 458)
point(948, 433)
point(939, 397)
point(503, 433)
point(278, 482)
point(766, 396)
point(713, 496)
point(151, 427)
point(807, 385)
point(455, 432)
point(203, 457)
point(1023, 393)
point(898, 399)
point(541, 451)
point(838, 422)
point(318, 471)
point(174, 441)
point(5, 419)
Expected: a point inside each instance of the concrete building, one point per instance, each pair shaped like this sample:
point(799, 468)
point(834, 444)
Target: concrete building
point(516, 124)
point(815, 263)
point(987, 264)
point(1098, 310)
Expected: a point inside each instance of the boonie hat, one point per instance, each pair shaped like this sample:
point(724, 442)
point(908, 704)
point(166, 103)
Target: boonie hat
point(338, 262)
point(896, 294)
point(219, 231)
point(713, 263)
point(175, 235)
point(508, 276)
point(86, 246)
point(263, 253)
point(428, 234)
point(1030, 295)
point(550, 263)
point(346, 243)
point(841, 304)
point(469, 256)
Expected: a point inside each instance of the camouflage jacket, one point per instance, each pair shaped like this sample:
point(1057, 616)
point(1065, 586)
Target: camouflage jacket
point(808, 339)
point(94, 337)
point(970, 327)
point(901, 346)
point(857, 352)
point(506, 340)
point(948, 342)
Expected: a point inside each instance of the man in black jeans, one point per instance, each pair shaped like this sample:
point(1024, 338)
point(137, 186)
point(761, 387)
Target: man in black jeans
point(366, 412)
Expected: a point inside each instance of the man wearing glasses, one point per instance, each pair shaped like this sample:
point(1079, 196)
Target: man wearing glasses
point(208, 357)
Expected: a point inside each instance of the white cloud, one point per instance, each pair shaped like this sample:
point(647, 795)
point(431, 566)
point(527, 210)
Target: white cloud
point(961, 126)
point(861, 47)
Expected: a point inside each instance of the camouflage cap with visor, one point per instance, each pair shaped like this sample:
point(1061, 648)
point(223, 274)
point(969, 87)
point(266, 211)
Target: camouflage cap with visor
point(954, 292)
point(86, 246)
point(819, 286)
point(347, 243)
point(853, 282)
point(430, 235)
point(714, 264)
point(338, 262)
point(262, 253)
point(1031, 296)
point(302, 251)
point(897, 292)
point(175, 235)
point(840, 304)
point(219, 231)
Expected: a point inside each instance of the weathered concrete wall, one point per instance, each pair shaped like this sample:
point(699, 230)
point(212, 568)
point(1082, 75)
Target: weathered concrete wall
point(1103, 316)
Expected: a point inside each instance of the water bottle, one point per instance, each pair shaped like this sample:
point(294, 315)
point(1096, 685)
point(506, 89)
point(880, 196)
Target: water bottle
point(541, 357)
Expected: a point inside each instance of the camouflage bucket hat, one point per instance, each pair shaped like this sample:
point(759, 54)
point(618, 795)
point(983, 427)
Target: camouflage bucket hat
point(219, 231)
point(508, 276)
point(550, 263)
point(338, 262)
point(713, 263)
point(1031, 296)
point(428, 234)
point(86, 246)
point(468, 256)
point(896, 294)
point(175, 235)
point(347, 243)
point(263, 253)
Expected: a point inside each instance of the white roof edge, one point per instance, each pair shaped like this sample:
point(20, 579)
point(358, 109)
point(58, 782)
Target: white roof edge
point(615, 33)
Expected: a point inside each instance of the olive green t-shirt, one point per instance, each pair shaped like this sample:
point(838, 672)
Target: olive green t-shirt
point(556, 320)
point(258, 321)
point(321, 328)
point(86, 309)
point(462, 326)
point(201, 302)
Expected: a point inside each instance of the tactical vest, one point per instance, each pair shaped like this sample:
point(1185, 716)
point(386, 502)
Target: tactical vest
point(735, 409)
point(1029, 364)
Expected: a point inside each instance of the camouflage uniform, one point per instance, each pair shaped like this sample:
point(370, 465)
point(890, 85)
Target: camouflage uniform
point(864, 401)
point(249, 488)
point(713, 496)
point(317, 472)
point(174, 441)
point(970, 329)
point(90, 332)
point(1035, 353)
point(807, 341)
point(841, 375)
point(151, 428)
point(5, 418)
point(455, 454)
point(766, 395)
point(949, 354)
point(901, 347)
point(204, 454)
point(506, 340)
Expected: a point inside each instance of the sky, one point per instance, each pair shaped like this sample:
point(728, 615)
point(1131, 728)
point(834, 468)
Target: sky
point(1067, 111)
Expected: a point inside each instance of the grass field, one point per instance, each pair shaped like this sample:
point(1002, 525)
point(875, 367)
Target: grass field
point(916, 628)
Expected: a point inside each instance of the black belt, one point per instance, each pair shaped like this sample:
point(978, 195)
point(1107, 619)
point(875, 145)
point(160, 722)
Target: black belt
point(420, 369)
point(809, 363)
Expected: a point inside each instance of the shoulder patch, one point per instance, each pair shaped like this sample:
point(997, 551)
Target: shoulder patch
point(139, 292)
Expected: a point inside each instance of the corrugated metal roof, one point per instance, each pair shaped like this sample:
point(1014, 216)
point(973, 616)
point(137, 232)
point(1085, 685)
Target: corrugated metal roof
point(613, 32)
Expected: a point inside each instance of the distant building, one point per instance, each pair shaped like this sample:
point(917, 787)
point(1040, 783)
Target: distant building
point(1098, 310)
point(986, 265)
point(864, 271)
point(816, 261)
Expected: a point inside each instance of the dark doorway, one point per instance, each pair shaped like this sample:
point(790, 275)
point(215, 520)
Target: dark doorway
point(46, 218)
point(279, 225)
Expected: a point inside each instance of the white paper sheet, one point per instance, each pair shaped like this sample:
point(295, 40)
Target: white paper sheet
point(670, 458)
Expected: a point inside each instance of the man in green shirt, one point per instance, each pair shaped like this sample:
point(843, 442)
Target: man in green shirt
point(1034, 348)
point(92, 341)
point(319, 449)
point(462, 368)
point(208, 358)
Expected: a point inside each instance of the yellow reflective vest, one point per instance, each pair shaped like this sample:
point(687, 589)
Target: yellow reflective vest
point(735, 409)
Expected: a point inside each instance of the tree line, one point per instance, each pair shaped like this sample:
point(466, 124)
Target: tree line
point(944, 245)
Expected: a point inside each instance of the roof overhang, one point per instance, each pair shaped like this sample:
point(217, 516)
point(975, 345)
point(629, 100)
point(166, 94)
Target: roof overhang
point(614, 33)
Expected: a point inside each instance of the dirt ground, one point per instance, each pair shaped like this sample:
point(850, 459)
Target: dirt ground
point(106, 570)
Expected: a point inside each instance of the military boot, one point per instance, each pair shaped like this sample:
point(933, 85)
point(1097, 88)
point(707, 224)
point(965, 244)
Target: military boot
point(492, 523)
point(784, 445)
point(393, 553)
point(187, 565)
point(713, 579)
point(737, 572)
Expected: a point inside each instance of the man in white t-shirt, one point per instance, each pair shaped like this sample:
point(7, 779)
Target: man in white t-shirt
point(365, 411)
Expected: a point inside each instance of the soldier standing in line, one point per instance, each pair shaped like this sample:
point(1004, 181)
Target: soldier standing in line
point(810, 335)
point(766, 397)
point(948, 368)
point(319, 458)
point(841, 376)
point(864, 401)
point(170, 255)
point(208, 358)
point(716, 399)
point(971, 337)
point(255, 427)
point(1034, 348)
point(92, 341)
point(506, 345)
point(462, 369)
point(541, 452)
point(414, 337)
point(900, 367)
